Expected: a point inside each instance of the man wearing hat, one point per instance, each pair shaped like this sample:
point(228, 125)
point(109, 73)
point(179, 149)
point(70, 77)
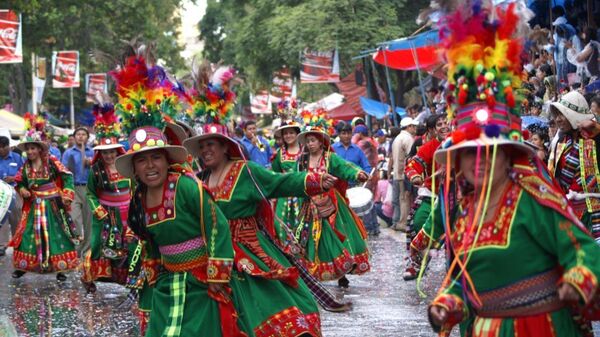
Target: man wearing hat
point(10, 163)
point(78, 160)
point(574, 158)
point(400, 148)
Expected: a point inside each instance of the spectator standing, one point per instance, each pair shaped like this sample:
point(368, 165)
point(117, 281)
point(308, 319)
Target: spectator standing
point(257, 146)
point(78, 159)
point(401, 147)
point(10, 164)
point(348, 150)
point(369, 147)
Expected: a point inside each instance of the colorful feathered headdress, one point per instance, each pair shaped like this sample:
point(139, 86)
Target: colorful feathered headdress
point(316, 122)
point(483, 47)
point(35, 131)
point(287, 110)
point(212, 97)
point(146, 95)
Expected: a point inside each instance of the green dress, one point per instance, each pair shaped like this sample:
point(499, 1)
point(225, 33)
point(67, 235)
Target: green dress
point(286, 209)
point(45, 241)
point(334, 245)
point(269, 294)
point(516, 263)
point(108, 197)
point(192, 239)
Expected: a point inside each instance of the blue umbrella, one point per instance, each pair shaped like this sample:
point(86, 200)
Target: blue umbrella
point(526, 121)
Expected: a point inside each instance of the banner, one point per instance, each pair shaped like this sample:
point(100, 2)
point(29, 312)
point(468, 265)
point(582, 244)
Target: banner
point(320, 67)
point(39, 84)
point(95, 83)
point(282, 83)
point(11, 50)
point(261, 103)
point(65, 69)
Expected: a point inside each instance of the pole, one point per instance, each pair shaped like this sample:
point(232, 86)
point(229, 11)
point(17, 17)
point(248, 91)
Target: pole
point(72, 111)
point(389, 84)
point(33, 98)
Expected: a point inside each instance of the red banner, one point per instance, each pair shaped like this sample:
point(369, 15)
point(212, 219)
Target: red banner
point(10, 37)
point(320, 67)
point(65, 69)
point(95, 83)
point(282, 83)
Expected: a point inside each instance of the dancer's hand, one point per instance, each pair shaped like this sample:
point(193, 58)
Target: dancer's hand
point(66, 201)
point(328, 181)
point(219, 288)
point(25, 193)
point(589, 128)
point(567, 293)
point(438, 315)
point(362, 176)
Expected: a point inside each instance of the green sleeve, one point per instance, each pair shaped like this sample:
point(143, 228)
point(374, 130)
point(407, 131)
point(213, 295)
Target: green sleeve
point(434, 225)
point(342, 168)
point(21, 178)
point(276, 164)
point(68, 188)
point(92, 197)
point(281, 185)
point(576, 251)
point(451, 299)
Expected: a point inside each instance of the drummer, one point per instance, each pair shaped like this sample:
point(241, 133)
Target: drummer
point(333, 237)
point(355, 154)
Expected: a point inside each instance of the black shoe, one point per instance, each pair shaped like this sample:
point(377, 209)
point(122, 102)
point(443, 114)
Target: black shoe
point(343, 282)
point(18, 274)
point(61, 277)
point(2, 251)
point(90, 287)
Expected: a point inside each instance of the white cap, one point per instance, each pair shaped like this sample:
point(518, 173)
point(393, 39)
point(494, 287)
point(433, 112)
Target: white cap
point(407, 121)
point(561, 20)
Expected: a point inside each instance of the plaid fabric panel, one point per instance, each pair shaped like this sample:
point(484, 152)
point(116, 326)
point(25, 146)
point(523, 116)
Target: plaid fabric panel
point(173, 328)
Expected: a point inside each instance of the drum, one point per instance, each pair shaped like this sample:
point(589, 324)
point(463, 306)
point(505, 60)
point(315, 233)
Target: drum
point(361, 200)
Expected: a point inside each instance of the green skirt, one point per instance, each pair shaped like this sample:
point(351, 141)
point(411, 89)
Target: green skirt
point(352, 228)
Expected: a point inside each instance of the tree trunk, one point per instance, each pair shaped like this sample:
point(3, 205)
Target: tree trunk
point(17, 89)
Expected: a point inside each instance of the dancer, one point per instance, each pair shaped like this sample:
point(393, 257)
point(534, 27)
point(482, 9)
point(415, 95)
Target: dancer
point(45, 239)
point(505, 207)
point(172, 212)
point(286, 160)
point(272, 299)
point(108, 197)
point(332, 235)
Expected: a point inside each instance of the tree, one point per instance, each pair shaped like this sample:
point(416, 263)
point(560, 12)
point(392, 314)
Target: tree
point(86, 25)
point(261, 36)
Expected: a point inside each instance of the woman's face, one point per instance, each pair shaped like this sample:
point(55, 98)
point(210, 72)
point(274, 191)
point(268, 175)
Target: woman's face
point(33, 151)
point(151, 167)
point(212, 152)
point(314, 144)
point(289, 136)
point(475, 176)
point(595, 108)
point(109, 156)
point(537, 140)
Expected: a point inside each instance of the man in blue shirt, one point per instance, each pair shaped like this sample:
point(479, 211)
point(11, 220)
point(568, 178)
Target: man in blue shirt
point(10, 164)
point(353, 153)
point(349, 151)
point(78, 160)
point(258, 148)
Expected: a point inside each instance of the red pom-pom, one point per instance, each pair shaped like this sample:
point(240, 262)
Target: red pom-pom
point(462, 97)
point(472, 131)
point(129, 106)
point(458, 136)
point(510, 98)
point(525, 134)
point(480, 79)
point(491, 101)
point(158, 101)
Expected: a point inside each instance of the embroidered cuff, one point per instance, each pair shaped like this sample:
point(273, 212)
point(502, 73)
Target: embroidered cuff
point(312, 184)
point(420, 242)
point(455, 307)
point(68, 194)
point(219, 270)
point(100, 212)
point(583, 280)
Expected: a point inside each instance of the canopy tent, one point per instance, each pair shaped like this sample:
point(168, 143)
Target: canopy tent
point(410, 53)
point(328, 102)
point(377, 109)
point(13, 122)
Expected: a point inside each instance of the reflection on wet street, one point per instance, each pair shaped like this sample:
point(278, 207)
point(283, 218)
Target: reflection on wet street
point(384, 304)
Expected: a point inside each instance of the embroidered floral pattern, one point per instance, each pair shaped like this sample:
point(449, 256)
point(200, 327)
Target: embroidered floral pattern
point(166, 211)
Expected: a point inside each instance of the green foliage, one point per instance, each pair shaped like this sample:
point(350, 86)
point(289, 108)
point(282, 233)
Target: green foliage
point(84, 25)
point(261, 36)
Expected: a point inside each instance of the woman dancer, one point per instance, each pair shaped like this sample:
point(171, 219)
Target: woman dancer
point(333, 237)
point(108, 197)
point(45, 240)
point(521, 263)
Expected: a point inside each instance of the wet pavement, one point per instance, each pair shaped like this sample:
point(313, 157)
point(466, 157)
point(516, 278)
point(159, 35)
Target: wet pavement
point(383, 304)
